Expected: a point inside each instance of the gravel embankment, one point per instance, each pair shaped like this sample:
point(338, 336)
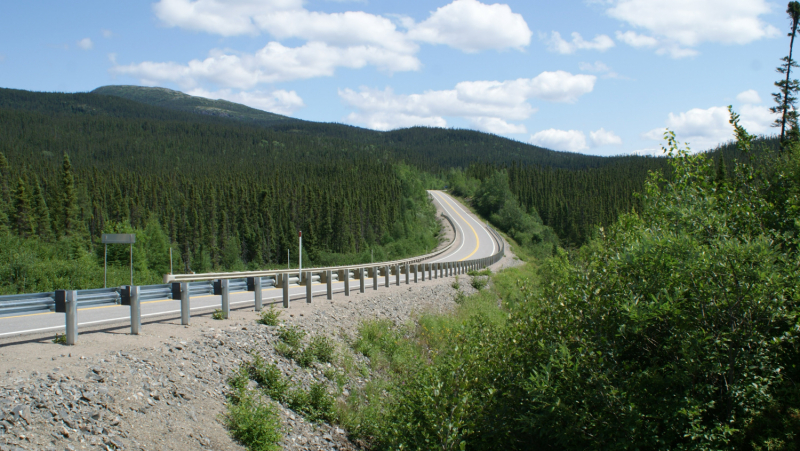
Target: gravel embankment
point(165, 389)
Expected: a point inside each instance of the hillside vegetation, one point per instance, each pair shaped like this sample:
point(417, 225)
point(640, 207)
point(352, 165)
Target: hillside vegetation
point(230, 191)
point(674, 328)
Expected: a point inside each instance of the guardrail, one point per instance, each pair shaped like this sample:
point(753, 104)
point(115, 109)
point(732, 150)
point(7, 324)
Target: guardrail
point(183, 287)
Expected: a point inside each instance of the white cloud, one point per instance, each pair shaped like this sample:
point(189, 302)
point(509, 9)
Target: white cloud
point(757, 119)
point(634, 39)
point(568, 140)
point(273, 63)
point(703, 129)
point(226, 18)
point(557, 44)
point(472, 26)
point(602, 137)
point(652, 151)
point(85, 44)
point(678, 25)
point(107, 33)
point(487, 105)
point(600, 68)
point(750, 96)
point(497, 126)
point(279, 101)
point(467, 25)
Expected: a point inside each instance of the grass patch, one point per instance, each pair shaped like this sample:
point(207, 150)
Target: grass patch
point(60, 339)
point(218, 315)
point(270, 317)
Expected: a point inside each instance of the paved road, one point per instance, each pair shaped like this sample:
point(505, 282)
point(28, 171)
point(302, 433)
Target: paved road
point(473, 241)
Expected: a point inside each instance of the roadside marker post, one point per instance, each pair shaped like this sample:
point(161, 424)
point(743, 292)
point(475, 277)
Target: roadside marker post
point(308, 287)
point(285, 290)
point(329, 282)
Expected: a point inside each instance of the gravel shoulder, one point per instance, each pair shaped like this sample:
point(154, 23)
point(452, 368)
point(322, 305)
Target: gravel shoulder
point(165, 389)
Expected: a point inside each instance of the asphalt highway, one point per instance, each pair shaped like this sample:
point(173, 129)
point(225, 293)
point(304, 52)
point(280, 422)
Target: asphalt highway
point(473, 241)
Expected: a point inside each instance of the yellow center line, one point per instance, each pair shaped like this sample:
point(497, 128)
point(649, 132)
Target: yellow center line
point(468, 225)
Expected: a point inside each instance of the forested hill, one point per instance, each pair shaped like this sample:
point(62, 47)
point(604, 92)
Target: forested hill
point(178, 101)
point(427, 147)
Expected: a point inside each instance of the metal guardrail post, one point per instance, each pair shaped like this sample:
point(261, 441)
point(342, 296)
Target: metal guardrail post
point(362, 282)
point(185, 313)
point(375, 278)
point(397, 275)
point(285, 290)
point(329, 282)
point(416, 273)
point(71, 317)
point(406, 269)
point(309, 285)
point(347, 282)
point(226, 302)
point(259, 300)
point(136, 311)
point(386, 276)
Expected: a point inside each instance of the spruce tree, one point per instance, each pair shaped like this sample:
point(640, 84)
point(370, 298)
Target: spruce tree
point(69, 200)
point(41, 213)
point(23, 221)
point(786, 97)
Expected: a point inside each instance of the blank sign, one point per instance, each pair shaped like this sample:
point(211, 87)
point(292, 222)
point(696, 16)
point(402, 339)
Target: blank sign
point(118, 238)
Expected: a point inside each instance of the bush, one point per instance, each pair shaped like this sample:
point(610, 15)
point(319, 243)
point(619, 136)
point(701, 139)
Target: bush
point(269, 317)
point(253, 422)
point(218, 315)
point(321, 349)
point(291, 335)
point(269, 378)
point(479, 283)
point(315, 405)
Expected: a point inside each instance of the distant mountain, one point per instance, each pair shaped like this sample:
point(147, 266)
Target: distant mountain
point(176, 100)
point(433, 149)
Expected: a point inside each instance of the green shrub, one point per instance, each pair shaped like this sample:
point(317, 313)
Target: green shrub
point(291, 335)
point(321, 348)
point(269, 378)
point(315, 405)
point(253, 422)
point(479, 283)
point(270, 316)
point(218, 315)
point(60, 339)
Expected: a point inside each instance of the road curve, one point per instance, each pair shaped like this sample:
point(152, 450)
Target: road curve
point(473, 241)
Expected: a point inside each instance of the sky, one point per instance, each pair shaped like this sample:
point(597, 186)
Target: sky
point(600, 77)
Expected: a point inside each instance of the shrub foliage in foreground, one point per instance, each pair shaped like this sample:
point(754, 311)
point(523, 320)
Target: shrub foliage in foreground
point(674, 329)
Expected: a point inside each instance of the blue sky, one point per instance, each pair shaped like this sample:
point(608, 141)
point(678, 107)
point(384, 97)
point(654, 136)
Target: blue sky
point(600, 77)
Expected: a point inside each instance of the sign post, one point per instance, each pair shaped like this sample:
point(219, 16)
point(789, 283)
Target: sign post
point(116, 238)
point(300, 236)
